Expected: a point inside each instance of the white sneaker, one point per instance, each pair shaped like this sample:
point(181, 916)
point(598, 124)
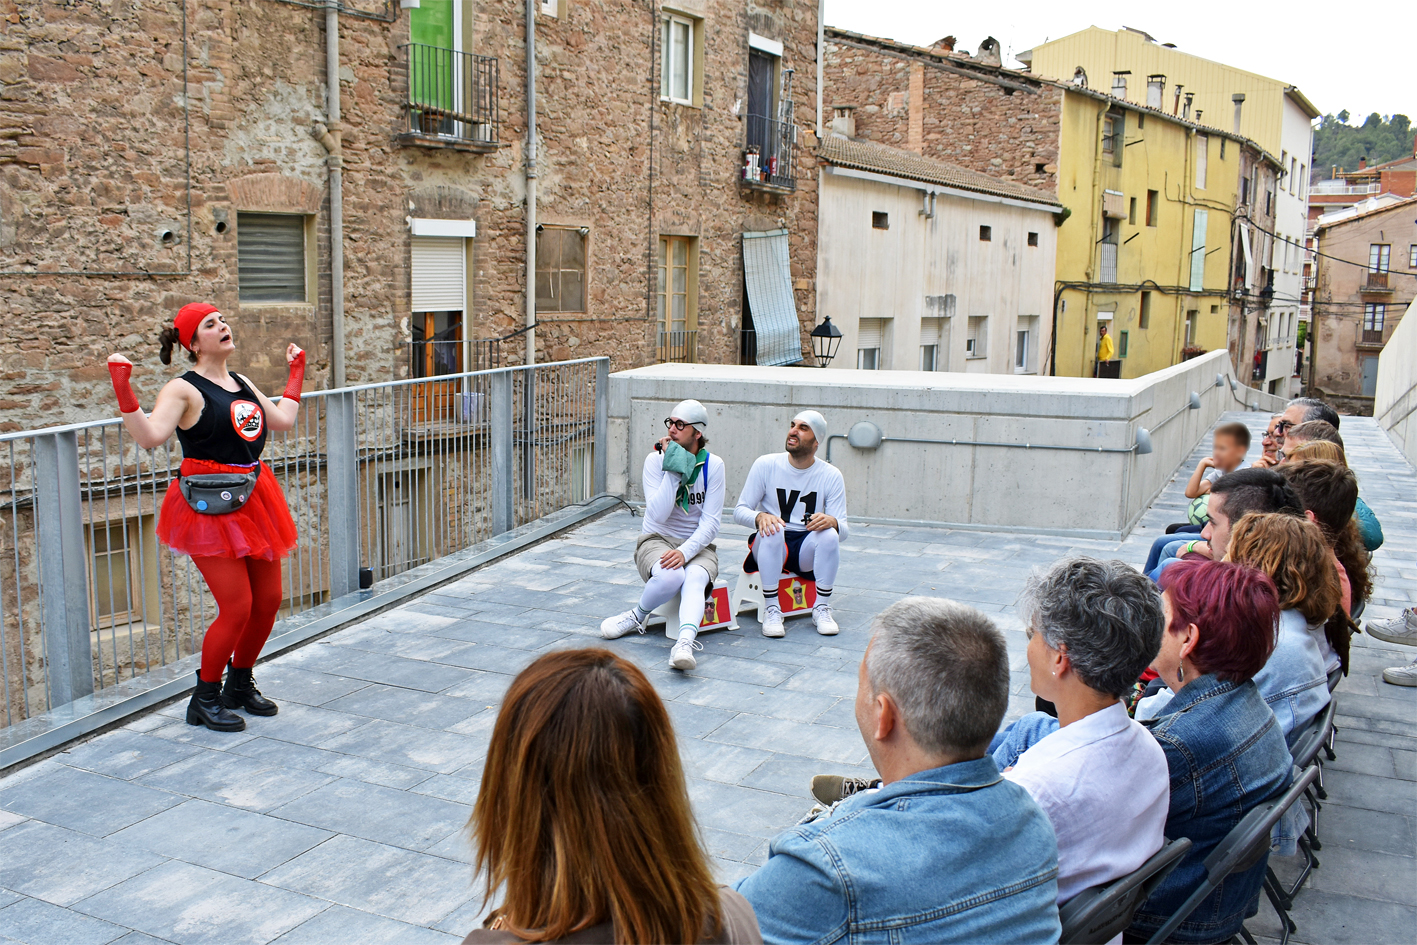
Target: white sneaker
point(822, 617)
point(772, 621)
point(613, 628)
point(1401, 675)
point(682, 656)
point(1400, 629)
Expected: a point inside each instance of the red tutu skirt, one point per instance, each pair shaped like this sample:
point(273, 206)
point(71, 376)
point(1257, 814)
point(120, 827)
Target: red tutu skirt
point(262, 528)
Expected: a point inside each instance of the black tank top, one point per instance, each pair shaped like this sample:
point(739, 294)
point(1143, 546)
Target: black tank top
point(232, 427)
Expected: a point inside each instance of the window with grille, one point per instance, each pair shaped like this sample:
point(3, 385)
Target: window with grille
point(270, 257)
point(560, 269)
point(676, 82)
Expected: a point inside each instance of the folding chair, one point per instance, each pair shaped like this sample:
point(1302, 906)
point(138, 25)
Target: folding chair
point(1096, 915)
point(1305, 754)
point(1334, 678)
point(1246, 845)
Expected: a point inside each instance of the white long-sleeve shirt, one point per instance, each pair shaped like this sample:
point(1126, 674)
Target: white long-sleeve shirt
point(779, 488)
point(699, 526)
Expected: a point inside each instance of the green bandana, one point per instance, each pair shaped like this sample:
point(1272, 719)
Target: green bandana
point(687, 465)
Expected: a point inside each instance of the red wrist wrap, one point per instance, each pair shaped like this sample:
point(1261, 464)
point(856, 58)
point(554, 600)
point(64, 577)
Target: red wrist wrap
point(120, 372)
point(297, 378)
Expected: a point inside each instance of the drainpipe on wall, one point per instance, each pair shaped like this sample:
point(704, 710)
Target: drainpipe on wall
point(530, 181)
point(331, 141)
point(821, 51)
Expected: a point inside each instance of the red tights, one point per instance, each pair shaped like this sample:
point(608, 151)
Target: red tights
point(248, 594)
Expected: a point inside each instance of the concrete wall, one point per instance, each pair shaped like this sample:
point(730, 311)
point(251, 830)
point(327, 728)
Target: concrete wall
point(865, 272)
point(1001, 488)
point(1395, 406)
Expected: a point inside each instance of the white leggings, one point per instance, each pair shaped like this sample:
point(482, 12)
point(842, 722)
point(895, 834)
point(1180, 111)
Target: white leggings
point(690, 582)
point(820, 553)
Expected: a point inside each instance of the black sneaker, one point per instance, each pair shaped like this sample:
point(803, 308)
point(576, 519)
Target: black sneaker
point(830, 788)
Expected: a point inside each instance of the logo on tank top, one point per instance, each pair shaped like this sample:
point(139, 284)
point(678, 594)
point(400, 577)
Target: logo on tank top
point(247, 420)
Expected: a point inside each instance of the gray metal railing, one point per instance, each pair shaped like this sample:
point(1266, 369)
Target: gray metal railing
point(678, 346)
point(771, 155)
point(452, 95)
point(383, 476)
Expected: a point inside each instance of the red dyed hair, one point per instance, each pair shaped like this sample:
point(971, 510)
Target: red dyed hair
point(1236, 608)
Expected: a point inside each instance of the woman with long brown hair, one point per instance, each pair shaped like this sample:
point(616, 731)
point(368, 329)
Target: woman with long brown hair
point(583, 820)
point(1328, 490)
point(1292, 552)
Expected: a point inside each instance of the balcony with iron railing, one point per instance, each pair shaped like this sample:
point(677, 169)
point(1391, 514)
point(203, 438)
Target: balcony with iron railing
point(678, 346)
point(452, 99)
point(770, 158)
point(1377, 283)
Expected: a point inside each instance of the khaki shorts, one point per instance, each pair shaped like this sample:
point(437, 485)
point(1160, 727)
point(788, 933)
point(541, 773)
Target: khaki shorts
point(650, 548)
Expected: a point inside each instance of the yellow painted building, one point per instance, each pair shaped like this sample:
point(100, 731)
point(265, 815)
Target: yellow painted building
point(1146, 249)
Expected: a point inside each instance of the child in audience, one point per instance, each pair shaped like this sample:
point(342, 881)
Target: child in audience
point(1228, 448)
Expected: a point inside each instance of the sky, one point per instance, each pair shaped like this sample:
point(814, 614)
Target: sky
point(1337, 61)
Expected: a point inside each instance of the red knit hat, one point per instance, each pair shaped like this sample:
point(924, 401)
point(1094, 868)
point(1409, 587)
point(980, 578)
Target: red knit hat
point(188, 318)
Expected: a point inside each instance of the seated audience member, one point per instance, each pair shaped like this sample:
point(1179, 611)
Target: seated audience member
point(1321, 441)
point(1093, 627)
point(1329, 493)
point(1302, 410)
point(1230, 443)
point(583, 820)
point(1231, 498)
point(1292, 552)
point(1224, 750)
point(947, 850)
point(1269, 445)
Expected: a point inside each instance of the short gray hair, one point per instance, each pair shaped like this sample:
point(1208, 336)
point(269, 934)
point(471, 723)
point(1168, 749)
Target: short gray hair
point(947, 668)
point(1107, 613)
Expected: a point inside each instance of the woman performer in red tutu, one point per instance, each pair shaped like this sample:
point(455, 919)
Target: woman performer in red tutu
point(225, 509)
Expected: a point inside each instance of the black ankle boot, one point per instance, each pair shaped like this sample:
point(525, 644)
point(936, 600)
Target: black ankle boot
point(206, 709)
point(240, 692)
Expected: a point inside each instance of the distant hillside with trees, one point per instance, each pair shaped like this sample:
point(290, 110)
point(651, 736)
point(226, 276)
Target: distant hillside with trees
point(1336, 142)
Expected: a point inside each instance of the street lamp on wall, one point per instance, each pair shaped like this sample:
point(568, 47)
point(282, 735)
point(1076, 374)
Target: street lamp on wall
point(826, 338)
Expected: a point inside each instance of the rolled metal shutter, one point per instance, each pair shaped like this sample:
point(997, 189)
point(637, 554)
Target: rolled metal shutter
point(870, 333)
point(270, 257)
point(929, 331)
point(439, 279)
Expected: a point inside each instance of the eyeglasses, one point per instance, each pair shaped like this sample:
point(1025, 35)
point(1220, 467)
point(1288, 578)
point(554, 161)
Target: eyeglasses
point(1283, 425)
point(672, 424)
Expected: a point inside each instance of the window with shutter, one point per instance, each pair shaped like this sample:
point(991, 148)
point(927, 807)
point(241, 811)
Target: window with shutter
point(270, 257)
point(870, 333)
point(439, 280)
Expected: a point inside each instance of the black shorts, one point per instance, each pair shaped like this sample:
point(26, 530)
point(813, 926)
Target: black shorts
point(793, 564)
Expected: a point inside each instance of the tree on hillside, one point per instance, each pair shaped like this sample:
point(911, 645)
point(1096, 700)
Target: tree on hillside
point(1379, 140)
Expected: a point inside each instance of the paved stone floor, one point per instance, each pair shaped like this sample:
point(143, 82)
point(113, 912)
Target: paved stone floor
point(341, 820)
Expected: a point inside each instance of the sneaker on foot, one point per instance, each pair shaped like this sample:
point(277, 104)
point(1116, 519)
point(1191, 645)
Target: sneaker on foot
point(822, 617)
point(830, 788)
point(1401, 675)
point(682, 655)
point(1400, 629)
point(772, 621)
point(613, 628)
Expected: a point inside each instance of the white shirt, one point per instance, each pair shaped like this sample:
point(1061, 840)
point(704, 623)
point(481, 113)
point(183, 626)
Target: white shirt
point(699, 526)
point(779, 488)
point(1104, 783)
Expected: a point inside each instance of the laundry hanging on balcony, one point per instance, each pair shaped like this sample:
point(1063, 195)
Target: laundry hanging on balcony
point(768, 276)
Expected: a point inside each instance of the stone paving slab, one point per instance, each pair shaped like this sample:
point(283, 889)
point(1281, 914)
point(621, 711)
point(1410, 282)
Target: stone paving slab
point(343, 818)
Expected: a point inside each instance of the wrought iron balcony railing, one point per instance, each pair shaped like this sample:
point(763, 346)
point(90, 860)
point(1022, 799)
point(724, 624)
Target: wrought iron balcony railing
point(678, 346)
point(770, 160)
point(452, 99)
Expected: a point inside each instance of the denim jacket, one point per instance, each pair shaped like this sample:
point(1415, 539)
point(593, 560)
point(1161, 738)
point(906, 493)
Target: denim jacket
point(1294, 682)
point(1226, 754)
point(952, 854)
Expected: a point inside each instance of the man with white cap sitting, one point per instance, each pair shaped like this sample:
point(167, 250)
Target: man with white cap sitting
point(797, 504)
point(675, 554)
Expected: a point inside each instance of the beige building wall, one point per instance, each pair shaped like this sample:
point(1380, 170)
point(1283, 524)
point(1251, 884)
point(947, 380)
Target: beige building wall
point(934, 272)
point(1349, 341)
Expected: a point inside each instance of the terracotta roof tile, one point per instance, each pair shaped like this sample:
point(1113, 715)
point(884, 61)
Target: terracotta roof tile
point(869, 156)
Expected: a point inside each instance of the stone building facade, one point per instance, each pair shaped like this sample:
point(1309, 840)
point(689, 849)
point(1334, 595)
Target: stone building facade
point(943, 104)
point(136, 138)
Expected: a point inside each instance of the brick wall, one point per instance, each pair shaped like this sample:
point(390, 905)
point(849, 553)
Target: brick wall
point(94, 163)
point(998, 122)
